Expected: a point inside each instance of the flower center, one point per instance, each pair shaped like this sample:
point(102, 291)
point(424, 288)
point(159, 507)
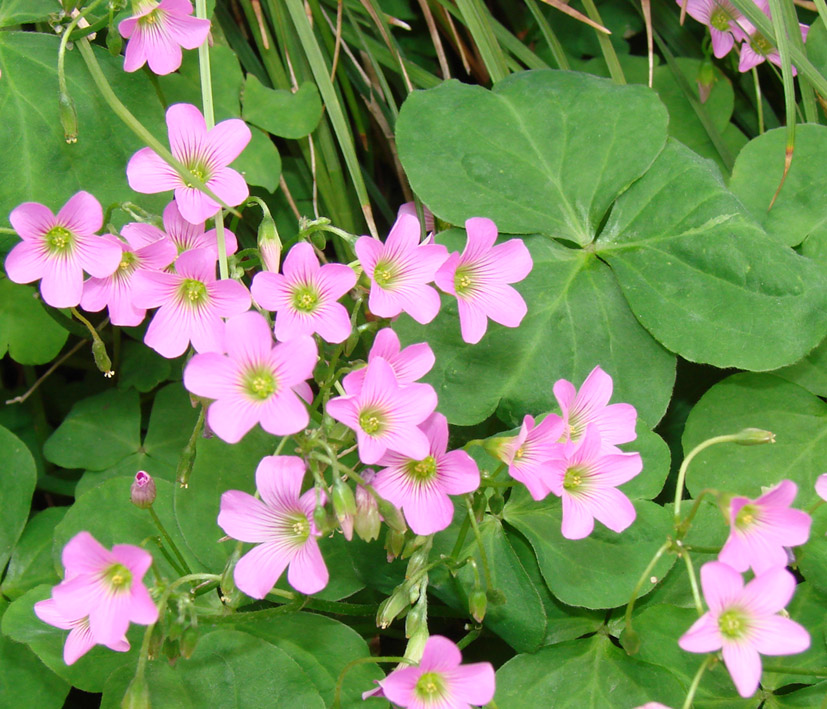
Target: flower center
point(429, 687)
point(463, 281)
point(151, 18)
point(519, 453)
point(299, 526)
point(59, 239)
point(128, 260)
point(200, 171)
point(573, 478)
point(733, 624)
point(422, 470)
point(371, 421)
point(746, 517)
point(305, 299)
point(193, 291)
point(720, 17)
point(118, 577)
point(760, 44)
point(384, 273)
point(260, 384)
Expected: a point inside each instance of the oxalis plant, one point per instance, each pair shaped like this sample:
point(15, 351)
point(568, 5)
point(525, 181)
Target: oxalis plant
point(333, 381)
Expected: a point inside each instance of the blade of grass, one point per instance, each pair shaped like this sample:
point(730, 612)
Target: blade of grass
point(548, 34)
point(808, 101)
point(783, 44)
point(579, 16)
point(609, 54)
point(436, 40)
point(646, 7)
point(478, 21)
point(376, 15)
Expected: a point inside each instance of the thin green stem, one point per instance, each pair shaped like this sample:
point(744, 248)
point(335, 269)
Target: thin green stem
point(693, 581)
point(469, 503)
point(165, 535)
point(463, 532)
point(630, 606)
point(696, 680)
point(161, 548)
point(138, 128)
point(6, 230)
point(469, 638)
point(682, 528)
point(729, 438)
point(209, 119)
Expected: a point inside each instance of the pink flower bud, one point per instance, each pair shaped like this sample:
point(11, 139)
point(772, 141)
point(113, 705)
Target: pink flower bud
point(142, 492)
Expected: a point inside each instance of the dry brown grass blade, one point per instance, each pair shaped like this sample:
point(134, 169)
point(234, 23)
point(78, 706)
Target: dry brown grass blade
point(458, 43)
point(262, 28)
point(788, 159)
point(646, 6)
point(579, 16)
point(391, 46)
point(683, 11)
point(435, 39)
point(338, 32)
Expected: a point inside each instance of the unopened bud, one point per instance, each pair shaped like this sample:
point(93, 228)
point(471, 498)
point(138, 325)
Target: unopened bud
point(102, 361)
point(230, 595)
point(480, 503)
point(142, 492)
point(188, 642)
point(322, 520)
point(156, 641)
point(185, 465)
point(416, 620)
point(137, 694)
point(318, 239)
point(418, 561)
point(392, 606)
point(754, 437)
point(394, 541)
point(630, 641)
point(705, 80)
point(392, 516)
point(344, 505)
point(68, 118)
point(477, 604)
point(269, 244)
point(366, 521)
point(416, 645)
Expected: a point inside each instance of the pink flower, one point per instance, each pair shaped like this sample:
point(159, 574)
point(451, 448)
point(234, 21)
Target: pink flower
point(79, 640)
point(399, 271)
point(304, 298)
point(761, 528)
point(724, 21)
point(590, 406)
point(421, 486)
point(586, 475)
point(115, 291)
point(254, 382)
point(744, 623)
point(427, 215)
point(157, 32)
point(408, 365)
point(58, 249)
point(440, 681)
point(821, 486)
point(528, 452)
point(756, 48)
point(184, 236)
point(106, 586)
point(479, 276)
point(386, 415)
point(204, 153)
point(281, 523)
point(192, 303)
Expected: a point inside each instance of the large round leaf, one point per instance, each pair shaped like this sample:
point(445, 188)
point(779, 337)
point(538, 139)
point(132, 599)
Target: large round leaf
point(584, 674)
point(799, 211)
point(229, 670)
point(36, 163)
point(32, 564)
point(544, 152)
point(758, 401)
point(703, 278)
point(577, 318)
point(17, 483)
point(597, 572)
point(26, 331)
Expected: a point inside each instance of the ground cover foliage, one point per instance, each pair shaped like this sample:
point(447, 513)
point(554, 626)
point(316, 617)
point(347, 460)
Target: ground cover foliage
point(659, 214)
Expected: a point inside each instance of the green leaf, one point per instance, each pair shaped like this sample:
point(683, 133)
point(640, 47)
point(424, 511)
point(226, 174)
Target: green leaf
point(531, 154)
point(810, 372)
point(802, 699)
point(796, 417)
point(141, 368)
point(521, 620)
point(584, 674)
point(24, 681)
point(229, 670)
point(26, 331)
point(812, 557)
point(107, 513)
point(36, 163)
point(16, 12)
point(322, 647)
point(17, 485)
point(703, 278)
point(656, 459)
point(597, 572)
point(281, 112)
point(260, 162)
point(659, 629)
point(90, 672)
point(31, 564)
point(99, 431)
point(577, 319)
point(799, 212)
